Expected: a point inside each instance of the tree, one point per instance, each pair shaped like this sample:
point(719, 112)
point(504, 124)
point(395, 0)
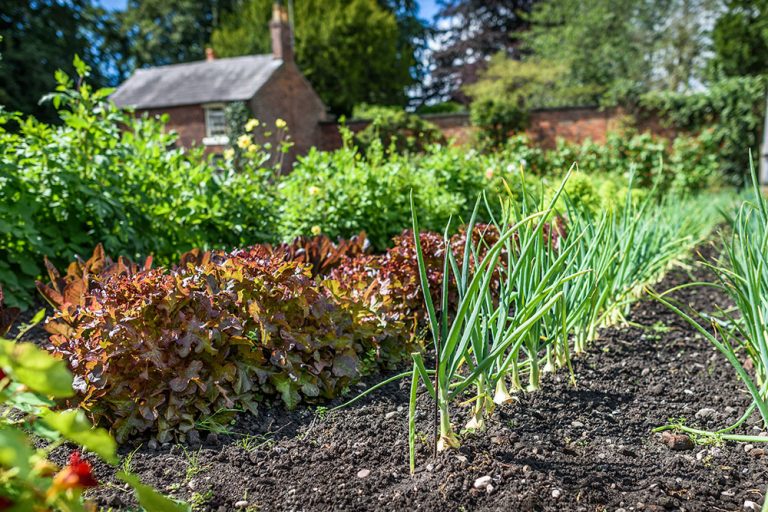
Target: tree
point(740, 38)
point(169, 31)
point(681, 54)
point(350, 51)
point(526, 85)
point(472, 31)
point(37, 39)
point(604, 44)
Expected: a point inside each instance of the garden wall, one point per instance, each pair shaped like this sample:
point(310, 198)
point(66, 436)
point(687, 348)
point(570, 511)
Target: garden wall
point(574, 124)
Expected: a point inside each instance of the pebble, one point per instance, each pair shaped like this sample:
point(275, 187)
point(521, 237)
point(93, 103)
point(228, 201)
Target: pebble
point(462, 459)
point(748, 447)
point(645, 372)
point(751, 506)
point(482, 482)
point(489, 489)
point(556, 493)
point(241, 504)
point(577, 424)
point(676, 441)
point(430, 467)
point(363, 473)
point(192, 484)
point(757, 452)
point(705, 413)
point(390, 414)
point(688, 391)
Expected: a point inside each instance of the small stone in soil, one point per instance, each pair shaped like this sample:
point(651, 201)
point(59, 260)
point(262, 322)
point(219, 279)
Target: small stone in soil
point(751, 506)
point(390, 414)
point(241, 504)
point(363, 473)
point(676, 441)
point(556, 493)
point(577, 424)
point(482, 482)
point(705, 413)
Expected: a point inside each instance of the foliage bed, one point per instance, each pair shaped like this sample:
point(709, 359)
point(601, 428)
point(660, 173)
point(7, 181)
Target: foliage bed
point(106, 176)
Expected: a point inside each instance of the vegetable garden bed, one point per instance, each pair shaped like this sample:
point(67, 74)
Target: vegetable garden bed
point(588, 447)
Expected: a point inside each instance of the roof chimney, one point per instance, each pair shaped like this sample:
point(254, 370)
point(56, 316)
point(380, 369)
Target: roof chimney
point(210, 54)
point(282, 40)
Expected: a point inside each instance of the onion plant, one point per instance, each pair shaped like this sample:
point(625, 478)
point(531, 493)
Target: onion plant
point(478, 344)
point(742, 337)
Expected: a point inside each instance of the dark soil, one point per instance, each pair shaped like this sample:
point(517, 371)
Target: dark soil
point(588, 447)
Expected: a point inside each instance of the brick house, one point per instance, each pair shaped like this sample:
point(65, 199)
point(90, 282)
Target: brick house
point(194, 94)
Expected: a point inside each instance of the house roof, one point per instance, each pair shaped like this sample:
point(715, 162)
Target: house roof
point(232, 79)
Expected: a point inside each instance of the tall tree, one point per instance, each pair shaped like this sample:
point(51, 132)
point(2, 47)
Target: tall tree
point(37, 39)
point(350, 50)
point(169, 31)
point(468, 33)
point(607, 45)
point(740, 38)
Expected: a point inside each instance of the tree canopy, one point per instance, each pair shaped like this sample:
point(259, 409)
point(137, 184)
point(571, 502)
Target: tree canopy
point(350, 51)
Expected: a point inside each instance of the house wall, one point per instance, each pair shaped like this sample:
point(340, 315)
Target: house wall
point(290, 97)
point(287, 96)
point(188, 121)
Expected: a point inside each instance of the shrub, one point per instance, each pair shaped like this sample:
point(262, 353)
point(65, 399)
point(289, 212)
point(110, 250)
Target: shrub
point(400, 131)
point(105, 176)
point(159, 350)
point(340, 194)
point(732, 108)
point(496, 120)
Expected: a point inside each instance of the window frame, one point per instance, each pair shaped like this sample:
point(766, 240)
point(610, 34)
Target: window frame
point(210, 138)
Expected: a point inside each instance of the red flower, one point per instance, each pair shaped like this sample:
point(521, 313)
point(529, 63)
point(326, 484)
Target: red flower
point(5, 503)
point(77, 475)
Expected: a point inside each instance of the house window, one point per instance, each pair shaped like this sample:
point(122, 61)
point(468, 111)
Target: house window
point(215, 126)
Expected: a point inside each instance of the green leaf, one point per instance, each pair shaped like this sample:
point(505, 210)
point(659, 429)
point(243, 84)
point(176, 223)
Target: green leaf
point(36, 369)
point(150, 499)
point(15, 450)
point(74, 425)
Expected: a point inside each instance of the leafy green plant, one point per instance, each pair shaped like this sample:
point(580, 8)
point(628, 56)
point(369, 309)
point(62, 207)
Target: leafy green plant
point(398, 131)
point(106, 176)
point(31, 381)
point(158, 349)
point(731, 109)
point(497, 119)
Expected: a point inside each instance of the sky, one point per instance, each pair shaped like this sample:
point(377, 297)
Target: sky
point(427, 8)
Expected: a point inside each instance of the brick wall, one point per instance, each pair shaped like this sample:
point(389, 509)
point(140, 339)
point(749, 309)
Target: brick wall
point(289, 96)
point(574, 124)
point(188, 121)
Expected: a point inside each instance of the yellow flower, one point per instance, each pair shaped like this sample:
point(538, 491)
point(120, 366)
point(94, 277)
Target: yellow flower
point(253, 148)
point(229, 154)
point(280, 123)
point(251, 124)
point(243, 141)
point(313, 190)
point(316, 230)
